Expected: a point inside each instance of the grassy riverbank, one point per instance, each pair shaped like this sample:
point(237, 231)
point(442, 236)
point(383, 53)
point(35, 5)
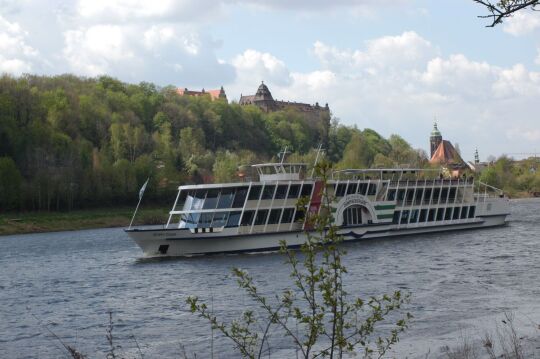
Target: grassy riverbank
point(34, 222)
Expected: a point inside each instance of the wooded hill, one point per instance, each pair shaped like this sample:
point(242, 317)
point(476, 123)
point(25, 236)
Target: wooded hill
point(69, 142)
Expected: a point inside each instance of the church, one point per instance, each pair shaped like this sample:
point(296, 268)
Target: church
point(443, 153)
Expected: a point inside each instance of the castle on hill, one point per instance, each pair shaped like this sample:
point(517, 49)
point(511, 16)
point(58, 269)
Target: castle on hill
point(317, 116)
point(213, 94)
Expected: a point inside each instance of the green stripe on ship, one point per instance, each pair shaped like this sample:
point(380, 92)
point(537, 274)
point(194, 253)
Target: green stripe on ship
point(385, 216)
point(385, 206)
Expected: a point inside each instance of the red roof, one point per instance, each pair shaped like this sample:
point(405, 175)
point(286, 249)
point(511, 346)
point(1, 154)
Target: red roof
point(446, 154)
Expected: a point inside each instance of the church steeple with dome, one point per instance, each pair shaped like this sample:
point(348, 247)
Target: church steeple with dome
point(435, 139)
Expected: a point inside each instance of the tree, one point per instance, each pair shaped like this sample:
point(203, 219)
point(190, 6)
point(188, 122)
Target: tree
point(498, 11)
point(316, 314)
point(10, 184)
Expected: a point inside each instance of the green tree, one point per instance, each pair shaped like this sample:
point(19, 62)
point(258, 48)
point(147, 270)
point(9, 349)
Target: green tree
point(10, 184)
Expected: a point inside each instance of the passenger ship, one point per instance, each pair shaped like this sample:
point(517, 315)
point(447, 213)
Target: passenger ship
point(369, 203)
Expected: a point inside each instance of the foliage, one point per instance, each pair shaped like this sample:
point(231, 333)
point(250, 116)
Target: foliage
point(516, 178)
point(317, 314)
point(88, 142)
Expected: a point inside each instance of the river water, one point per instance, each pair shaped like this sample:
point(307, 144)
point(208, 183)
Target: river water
point(460, 283)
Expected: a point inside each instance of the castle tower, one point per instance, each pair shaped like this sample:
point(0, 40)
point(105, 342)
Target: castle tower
point(263, 98)
point(434, 140)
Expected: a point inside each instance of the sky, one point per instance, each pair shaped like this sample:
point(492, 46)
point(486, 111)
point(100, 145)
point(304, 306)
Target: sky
point(391, 65)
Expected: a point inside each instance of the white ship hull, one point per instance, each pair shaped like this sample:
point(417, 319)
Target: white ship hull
point(171, 242)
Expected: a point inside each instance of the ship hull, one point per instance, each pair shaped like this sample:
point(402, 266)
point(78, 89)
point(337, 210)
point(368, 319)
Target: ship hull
point(177, 242)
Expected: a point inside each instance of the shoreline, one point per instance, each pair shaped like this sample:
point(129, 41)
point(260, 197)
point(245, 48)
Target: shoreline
point(107, 217)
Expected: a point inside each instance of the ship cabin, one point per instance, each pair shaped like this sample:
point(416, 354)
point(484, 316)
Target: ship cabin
point(268, 204)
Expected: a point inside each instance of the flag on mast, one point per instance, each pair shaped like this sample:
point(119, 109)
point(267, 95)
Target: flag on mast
point(141, 192)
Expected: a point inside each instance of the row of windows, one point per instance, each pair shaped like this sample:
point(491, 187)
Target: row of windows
point(232, 219)
point(366, 189)
point(435, 195)
point(235, 197)
point(433, 214)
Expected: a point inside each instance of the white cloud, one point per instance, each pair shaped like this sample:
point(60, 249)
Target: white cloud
point(16, 56)
point(252, 65)
point(522, 23)
point(402, 51)
point(165, 54)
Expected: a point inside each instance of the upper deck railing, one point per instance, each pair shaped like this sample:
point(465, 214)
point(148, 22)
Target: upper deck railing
point(281, 171)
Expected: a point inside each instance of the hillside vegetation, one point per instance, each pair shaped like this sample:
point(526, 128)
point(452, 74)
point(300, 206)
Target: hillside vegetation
point(68, 142)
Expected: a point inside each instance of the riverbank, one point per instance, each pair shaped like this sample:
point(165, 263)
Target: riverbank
point(37, 222)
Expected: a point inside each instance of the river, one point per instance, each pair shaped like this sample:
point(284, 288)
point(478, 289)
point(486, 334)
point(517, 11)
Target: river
point(460, 283)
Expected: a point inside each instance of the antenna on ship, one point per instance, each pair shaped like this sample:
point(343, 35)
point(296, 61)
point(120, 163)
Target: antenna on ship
point(319, 150)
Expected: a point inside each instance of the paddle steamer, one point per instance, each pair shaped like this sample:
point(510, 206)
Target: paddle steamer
point(255, 216)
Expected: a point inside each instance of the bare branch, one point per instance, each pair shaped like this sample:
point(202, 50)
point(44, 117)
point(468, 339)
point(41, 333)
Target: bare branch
point(505, 8)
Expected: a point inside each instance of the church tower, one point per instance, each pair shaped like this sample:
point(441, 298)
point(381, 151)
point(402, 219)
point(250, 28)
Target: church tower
point(435, 139)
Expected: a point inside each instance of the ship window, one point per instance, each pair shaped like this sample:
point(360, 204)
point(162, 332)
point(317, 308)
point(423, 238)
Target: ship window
point(436, 195)
point(423, 215)
point(205, 220)
point(268, 192)
point(198, 199)
point(281, 191)
point(471, 211)
point(255, 192)
point(220, 218)
point(234, 218)
point(287, 215)
point(363, 189)
point(452, 194)
point(418, 195)
point(225, 198)
point(293, 191)
point(431, 216)
point(395, 219)
point(464, 212)
point(352, 188)
point(444, 194)
point(440, 213)
point(261, 216)
point(401, 195)
point(274, 216)
point(211, 199)
point(247, 219)
point(340, 191)
point(414, 216)
point(427, 195)
point(448, 214)
point(455, 215)
point(306, 190)
point(404, 217)
point(410, 195)
point(391, 195)
point(372, 189)
point(240, 197)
